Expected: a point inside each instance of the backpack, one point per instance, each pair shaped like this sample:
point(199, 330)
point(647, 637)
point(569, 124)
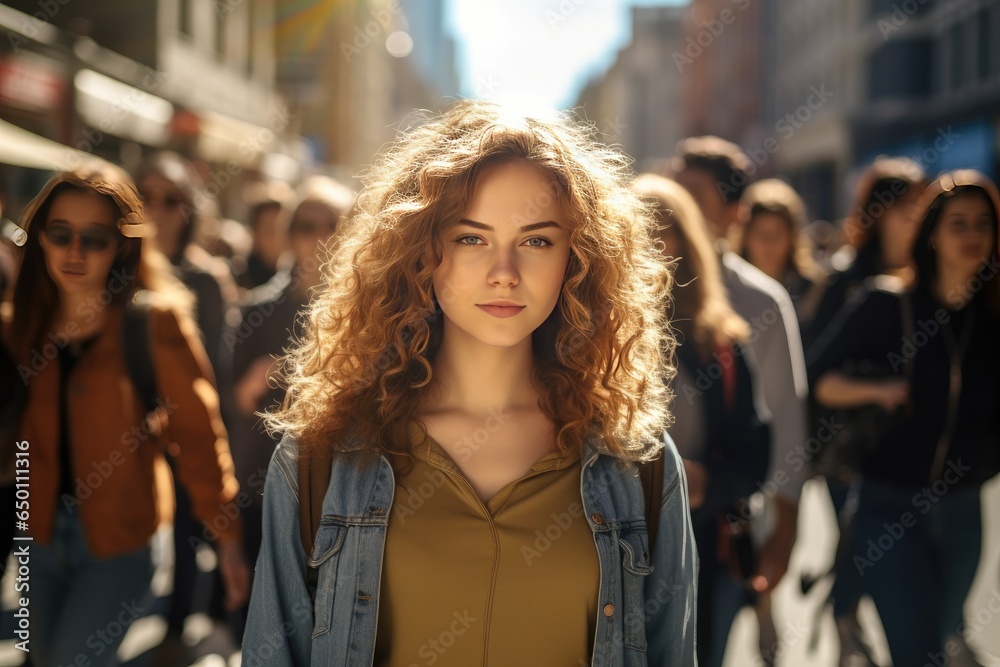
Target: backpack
point(314, 478)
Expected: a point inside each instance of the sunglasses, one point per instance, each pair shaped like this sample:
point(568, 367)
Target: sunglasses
point(96, 239)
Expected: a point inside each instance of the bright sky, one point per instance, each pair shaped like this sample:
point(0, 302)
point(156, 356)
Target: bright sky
point(537, 52)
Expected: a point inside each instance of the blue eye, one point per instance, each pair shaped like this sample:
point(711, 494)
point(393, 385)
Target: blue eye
point(544, 242)
point(461, 240)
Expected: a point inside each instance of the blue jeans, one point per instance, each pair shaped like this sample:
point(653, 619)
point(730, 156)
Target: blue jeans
point(81, 605)
point(917, 555)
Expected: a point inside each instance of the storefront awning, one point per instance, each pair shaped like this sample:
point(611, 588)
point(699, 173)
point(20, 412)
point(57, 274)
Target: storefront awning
point(224, 139)
point(122, 110)
point(22, 148)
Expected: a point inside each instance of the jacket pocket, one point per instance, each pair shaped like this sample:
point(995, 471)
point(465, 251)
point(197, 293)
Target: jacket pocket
point(635, 568)
point(325, 558)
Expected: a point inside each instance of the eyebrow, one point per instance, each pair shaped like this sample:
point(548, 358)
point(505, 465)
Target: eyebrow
point(86, 225)
point(526, 228)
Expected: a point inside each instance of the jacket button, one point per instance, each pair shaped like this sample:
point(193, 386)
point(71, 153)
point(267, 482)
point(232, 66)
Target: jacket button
point(597, 519)
point(609, 609)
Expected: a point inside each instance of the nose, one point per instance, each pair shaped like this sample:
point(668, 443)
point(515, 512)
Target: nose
point(76, 249)
point(503, 272)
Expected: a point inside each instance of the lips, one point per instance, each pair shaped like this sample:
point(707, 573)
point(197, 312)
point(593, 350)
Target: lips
point(502, 311)
point(73, 272)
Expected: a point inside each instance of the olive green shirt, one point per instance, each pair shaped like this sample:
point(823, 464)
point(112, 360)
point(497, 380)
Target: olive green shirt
point(513, 581)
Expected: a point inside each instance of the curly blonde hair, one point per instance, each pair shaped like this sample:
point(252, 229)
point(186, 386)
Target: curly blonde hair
point(602, 359)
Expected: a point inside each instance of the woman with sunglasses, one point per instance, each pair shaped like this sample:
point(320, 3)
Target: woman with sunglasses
point(917, 531)
point(100, 486)
point(486, 364)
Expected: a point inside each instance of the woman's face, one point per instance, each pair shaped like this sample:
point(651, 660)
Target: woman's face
point(768, 240)
point(503, 264)
point(964, 237)
point(168, 209)
point(897, 229)
point(312, 225)
point(79, 241)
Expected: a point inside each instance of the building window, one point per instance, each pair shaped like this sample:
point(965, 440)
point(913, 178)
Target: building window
point(984, 46)
point(958, 69)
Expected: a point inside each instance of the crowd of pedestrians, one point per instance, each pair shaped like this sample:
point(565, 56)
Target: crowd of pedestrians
point(140, 350)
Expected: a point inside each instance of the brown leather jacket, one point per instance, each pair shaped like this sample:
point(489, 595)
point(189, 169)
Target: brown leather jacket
point(121, 478)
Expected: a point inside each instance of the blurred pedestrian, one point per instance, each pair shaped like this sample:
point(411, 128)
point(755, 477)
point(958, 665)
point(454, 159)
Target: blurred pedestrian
point(718, 431)
point(917, 531)
point(99, 483)
point(173, 196)
point(268, 223)
point(716, 173)
point(770, 235)
point(487, 361)
point(175, 202)
point(880, 231)
point(271, 322)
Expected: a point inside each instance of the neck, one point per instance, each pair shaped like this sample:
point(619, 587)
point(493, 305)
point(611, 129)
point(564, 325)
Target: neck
point(475, 378)
point(80, 315)
point(952, 286)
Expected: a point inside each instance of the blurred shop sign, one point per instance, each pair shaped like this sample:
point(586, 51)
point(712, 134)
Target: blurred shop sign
point(30, 83)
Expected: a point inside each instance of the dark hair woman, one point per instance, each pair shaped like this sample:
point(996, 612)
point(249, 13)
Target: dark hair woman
point(100, 485)
point(880, 232)
point(937, 341)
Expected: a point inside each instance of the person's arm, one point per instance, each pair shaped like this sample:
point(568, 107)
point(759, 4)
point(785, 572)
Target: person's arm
point(670, 589)
point(784, 389)
point(836, 390)
point(199, 444)
point(280, 620)
point(855, 334)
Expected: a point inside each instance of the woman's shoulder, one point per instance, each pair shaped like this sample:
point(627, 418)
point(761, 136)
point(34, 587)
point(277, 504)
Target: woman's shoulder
point(167, 322)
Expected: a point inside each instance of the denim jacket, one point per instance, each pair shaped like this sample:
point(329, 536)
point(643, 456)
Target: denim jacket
point(646, 606)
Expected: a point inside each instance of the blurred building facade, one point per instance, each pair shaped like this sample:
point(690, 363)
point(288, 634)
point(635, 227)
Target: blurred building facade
point(121, 78)
point(636, 103)
point(370, 63)
point(723, 74)
point(193, 74)
point(815, 90)
point(933, 83)
point(813, 87)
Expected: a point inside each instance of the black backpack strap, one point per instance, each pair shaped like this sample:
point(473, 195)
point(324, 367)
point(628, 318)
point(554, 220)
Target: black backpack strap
point(651, 473)
point(139, 356)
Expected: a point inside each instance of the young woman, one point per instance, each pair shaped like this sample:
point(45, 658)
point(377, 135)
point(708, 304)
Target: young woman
point(271, 319)
point(488, 362)
point(771, 237)
point(100, 485)
point(724, 443)
point(919, 502)
point(880, 233)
